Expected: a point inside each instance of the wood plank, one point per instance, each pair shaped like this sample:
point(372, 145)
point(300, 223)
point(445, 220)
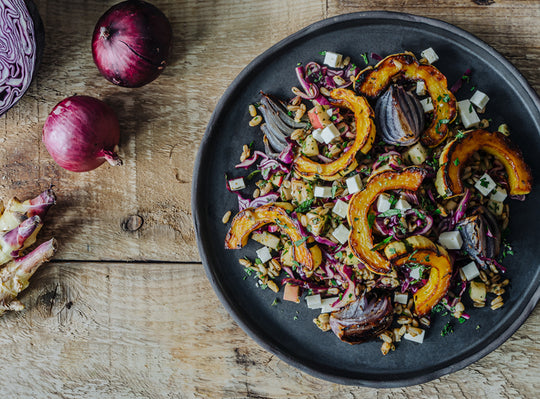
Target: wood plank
point(121, 330)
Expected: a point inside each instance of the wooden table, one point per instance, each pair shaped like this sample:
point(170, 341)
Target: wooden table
point(130, 314)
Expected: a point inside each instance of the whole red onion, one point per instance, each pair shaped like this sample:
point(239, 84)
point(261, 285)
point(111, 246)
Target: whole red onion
point(81, 133)
point(131, 43)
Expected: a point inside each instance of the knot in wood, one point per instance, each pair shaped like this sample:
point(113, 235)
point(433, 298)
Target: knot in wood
point(132, 223)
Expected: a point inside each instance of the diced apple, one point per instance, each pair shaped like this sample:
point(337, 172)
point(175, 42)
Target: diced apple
point(318, 117)
point(291, 293)
point(267, 239)
point(310, 147)
point(416, 154)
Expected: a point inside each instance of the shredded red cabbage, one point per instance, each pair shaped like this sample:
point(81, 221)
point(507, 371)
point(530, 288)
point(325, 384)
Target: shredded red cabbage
point(22, 41)
point(457, 85)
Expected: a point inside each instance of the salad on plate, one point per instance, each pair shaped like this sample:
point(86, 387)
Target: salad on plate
point(381, 197)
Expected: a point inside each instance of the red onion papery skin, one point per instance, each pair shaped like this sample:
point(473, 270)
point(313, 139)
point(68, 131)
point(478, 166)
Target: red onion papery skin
point(81, 133)
point(131, 43)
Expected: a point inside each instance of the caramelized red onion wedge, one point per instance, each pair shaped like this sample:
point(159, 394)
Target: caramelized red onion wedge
point(16, 274)
point(400, 117)
point(364, 318)
point(481, 236)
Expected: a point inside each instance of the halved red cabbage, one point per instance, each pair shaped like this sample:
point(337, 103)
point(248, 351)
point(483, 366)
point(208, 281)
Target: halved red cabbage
point(22, 39)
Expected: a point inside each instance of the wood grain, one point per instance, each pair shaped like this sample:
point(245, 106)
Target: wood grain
point(129, 313)
point(119, 330)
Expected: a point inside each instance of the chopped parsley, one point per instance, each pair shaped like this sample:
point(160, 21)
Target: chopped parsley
point(371, 220)
point(440, 123)
point(304, 206)
point(366, 60)
point(382, 243)
point(252, 174)
point(447, 329)
point(300, 241)
point(460, 134)
point(484, 182)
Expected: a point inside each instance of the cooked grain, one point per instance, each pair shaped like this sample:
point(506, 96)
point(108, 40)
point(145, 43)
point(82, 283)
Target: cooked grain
point(226, 217)
point(273, 286)
point(255, 121)
point(252, 110)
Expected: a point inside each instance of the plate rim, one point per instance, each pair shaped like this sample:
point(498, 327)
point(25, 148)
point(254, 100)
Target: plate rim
point(220, 106)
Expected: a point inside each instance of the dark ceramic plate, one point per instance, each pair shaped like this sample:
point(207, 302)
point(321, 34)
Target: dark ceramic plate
point(286, 329)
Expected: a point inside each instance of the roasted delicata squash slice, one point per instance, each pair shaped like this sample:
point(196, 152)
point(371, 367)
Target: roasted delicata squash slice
point(365, 135)
point(457, 152)
point(438, 282)
point(251, 219)
point(361, 238)
point(373, 81)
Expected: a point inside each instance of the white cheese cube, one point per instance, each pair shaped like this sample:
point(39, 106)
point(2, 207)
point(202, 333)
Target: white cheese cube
point(495, 207)
point(470, 271)
point(326, 304)
point(341, 208)
point(485, 184)
point(329, 133)
point(383, 202)
point(430, 55)
point(427, 104)
point(313, 301)
point(417, 338)
point(264, 254)
point(401, 298)
point(415, 273)
point(237, 184)
point(330, 111)
point(499, 194)
point(317, 135)
point(402, 205)
point(417, 154)
point(468, 115)
point(451, 239)
point(421, 88)
point(479, 99)
point(333, 60)
point(354, 184)
point(322, 191)
point(341, 233)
